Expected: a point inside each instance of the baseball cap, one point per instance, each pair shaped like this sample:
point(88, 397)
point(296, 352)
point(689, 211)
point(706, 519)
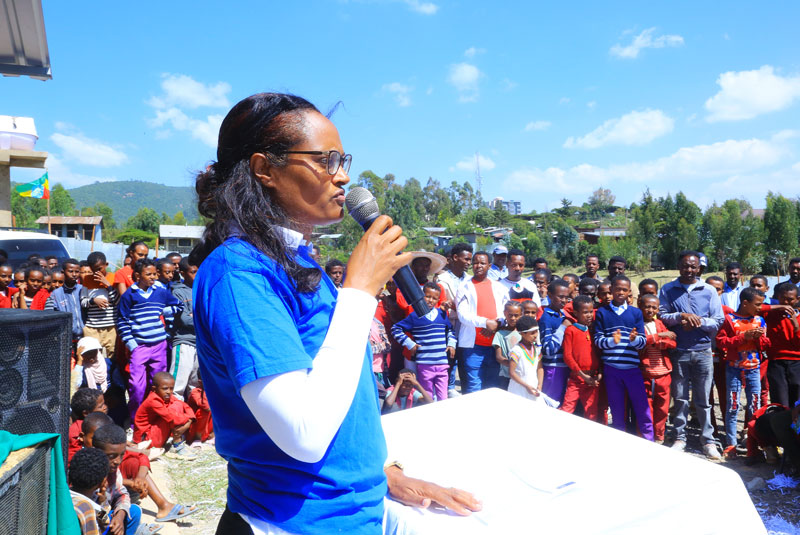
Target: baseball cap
point(703, 259)
point(500, 249)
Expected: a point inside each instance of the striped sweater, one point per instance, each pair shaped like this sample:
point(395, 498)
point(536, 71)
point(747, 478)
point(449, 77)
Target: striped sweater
point(139, 315)
point(551, 332)
point(432, 332)
point(625, 354)
point(96, 317)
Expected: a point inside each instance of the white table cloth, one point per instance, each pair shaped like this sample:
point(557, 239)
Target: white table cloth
point(513, 453)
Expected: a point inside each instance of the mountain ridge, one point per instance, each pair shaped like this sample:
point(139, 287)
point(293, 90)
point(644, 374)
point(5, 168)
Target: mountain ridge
point(126, 197)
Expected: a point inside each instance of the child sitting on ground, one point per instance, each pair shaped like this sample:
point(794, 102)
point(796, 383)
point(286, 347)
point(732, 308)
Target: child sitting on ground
point(506, 338)
point(113, 496)
point(83, 402)
point(87, 472)
point(525, 368)
point(584, 381)
point(135, 471)
point(430, 343)
point(405, 393)
point(140, 327)
point(744, 339)
point(656, 365)
point(618, 334)
point(163, 416)
point(203, 427)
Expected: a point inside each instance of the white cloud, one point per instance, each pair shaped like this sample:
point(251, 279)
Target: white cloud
point(686, 167)
point(424, 8)
point(472, 51)
point(59, 172)
point(537, 125)
point(87, 151)
point(646, 39)
point(747, 94)
point(468, 164)
point(183, 91)
point(464, 77)
point(634, 128)
point(401, 93)
point(205, 130)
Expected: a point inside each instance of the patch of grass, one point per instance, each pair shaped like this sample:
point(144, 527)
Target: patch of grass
point(203, 482)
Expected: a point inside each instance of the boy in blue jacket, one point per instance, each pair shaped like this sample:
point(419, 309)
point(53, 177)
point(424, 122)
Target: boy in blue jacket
point(140, 327)
point(619, 334)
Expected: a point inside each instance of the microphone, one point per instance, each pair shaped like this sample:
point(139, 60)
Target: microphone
point(363, 207)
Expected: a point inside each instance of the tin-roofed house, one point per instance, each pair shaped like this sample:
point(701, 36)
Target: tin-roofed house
point(88, 228)
point(180, 238)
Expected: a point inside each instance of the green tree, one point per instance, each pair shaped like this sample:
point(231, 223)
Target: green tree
point(644, 228)
point(780, 229)
point(145, 219)
point(534, 247)
point(27, 210)
point(131, 235)
point(600, 202)
point(501, 215)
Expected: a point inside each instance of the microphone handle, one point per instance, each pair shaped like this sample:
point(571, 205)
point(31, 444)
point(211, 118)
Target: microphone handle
point(406, 281)
point(408, 285)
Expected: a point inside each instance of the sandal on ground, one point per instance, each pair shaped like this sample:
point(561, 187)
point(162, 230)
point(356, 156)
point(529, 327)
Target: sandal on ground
point(148, 529)
point(175, 513)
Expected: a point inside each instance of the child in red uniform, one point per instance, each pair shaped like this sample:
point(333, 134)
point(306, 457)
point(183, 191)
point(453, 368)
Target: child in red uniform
point(162, 416)
point(584, 381)
point(32, 295)
point(203, 427)
point(783, 331)
point(656, 365)
point(83, 402)
point(743, 337)
point(6, 292)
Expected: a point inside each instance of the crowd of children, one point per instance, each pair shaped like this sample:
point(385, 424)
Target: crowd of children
point(588, 344)
point(136, 389)
point(593, 345)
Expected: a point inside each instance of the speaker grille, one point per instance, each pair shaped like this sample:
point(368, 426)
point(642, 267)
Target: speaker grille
point(35, 351)
point(24, 491)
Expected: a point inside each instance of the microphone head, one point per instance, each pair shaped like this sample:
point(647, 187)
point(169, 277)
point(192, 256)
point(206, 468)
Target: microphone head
point(361, 205)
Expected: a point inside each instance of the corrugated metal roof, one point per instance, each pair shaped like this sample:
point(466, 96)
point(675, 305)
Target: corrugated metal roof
point(23, 42)
point(181, 231)
point(75, 220)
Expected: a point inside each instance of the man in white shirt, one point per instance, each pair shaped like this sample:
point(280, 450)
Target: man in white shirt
point(519, 289)
point(733, 285)
point(498, 269)
point(459, 260)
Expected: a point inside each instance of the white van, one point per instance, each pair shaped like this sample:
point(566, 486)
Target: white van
point(19, 245)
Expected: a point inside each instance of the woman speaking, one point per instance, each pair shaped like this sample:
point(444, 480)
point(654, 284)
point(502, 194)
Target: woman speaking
point(284, 356)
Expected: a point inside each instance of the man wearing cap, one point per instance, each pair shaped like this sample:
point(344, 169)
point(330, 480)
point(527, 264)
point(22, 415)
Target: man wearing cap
point(703, 263)
point(498, 269)
point(423, 264)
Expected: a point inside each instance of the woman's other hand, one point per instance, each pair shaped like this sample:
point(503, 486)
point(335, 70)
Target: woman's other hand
point(375, 259)
point(419, 493)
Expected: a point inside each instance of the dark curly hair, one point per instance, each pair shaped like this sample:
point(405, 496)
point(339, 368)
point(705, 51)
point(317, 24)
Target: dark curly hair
point(234, 201)
point(109, 434)
point(83, 401)
point(88, 468)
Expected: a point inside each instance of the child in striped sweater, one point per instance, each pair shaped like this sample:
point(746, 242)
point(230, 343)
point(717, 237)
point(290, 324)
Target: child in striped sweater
point(431, 343)
point(617, 334)
point(140, 326)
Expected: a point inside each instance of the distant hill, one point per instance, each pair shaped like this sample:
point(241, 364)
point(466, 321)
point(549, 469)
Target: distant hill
point(126, 197)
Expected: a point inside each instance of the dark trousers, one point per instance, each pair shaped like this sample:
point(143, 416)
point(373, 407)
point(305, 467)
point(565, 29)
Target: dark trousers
point(231, 523)
point(784, 381)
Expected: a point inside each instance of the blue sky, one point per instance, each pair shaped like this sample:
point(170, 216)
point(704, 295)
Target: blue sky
point(559, 100)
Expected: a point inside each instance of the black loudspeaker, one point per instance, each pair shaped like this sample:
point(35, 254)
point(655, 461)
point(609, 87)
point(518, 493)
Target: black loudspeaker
point(25, 491)
point(35, 351)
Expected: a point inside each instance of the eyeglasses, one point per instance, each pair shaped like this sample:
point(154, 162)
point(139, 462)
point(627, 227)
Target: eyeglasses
point(335, 159)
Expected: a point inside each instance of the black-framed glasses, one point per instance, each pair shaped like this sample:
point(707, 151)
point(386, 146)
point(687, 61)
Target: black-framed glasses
point(335, 159)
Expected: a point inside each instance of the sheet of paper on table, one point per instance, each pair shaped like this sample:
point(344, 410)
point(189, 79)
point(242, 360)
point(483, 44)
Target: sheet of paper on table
point(540, 470)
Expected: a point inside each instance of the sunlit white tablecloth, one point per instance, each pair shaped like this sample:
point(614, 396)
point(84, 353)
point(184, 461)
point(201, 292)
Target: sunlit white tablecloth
point(510, 452)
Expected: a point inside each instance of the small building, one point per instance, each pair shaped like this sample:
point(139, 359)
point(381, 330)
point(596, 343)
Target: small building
point(594, 235)
point(180, 238)
point(81, 227)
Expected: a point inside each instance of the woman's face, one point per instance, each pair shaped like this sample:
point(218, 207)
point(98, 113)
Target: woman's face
point(303, 188)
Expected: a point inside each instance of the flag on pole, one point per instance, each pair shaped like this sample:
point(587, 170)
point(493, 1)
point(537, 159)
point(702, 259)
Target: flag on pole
point(38, 189)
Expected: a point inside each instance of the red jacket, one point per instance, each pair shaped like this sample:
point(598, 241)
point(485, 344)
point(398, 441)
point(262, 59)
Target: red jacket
point(784, 340)
point(655, 359)
point(5, 301)
point(40, 299)
point(154, 412)
point(579, 353)
point(730, 339)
